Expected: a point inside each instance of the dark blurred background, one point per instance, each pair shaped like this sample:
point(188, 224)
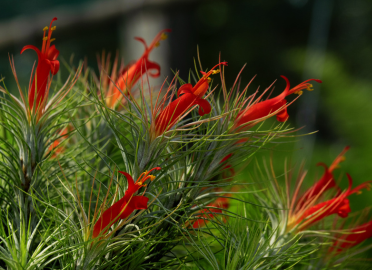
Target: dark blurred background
point(324, 39)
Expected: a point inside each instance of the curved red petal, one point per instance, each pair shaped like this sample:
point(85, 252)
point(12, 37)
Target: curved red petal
point(152, 66)
point(282, 116)
point(136, 202)
point(131, 186)
point(139, 202)
point(204, 106)
point(142, 41)
point(185, 89)
point(286, 90)
point(110, 216)
point(54, 66)
point(344, 209)
point(32, 47)
point(52, 53)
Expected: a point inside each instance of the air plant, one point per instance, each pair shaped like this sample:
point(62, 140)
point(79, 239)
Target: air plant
point(70, 154)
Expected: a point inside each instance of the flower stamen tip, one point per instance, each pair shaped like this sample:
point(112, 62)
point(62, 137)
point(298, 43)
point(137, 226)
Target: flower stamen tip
point(310, 87)
point(45, 28)
point(164, 36)
point(299, 92)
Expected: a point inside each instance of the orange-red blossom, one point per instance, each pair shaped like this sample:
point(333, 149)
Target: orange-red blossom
point(354, 237)
point(55, 146)
point(326, 182)
point(338, 205)
point(306, 211)
point(210, 211)
point(188, 96)
point(133, 72)
point(259, 111)
point(126, 205)
point(47, 63)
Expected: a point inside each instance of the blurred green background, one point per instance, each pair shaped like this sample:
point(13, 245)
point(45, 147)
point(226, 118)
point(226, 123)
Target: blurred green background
point(324, 39)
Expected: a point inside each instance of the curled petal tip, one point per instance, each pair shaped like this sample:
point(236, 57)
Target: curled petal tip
point(123, 173)
point(32, 47)
point(286, 80)
point(350, 180)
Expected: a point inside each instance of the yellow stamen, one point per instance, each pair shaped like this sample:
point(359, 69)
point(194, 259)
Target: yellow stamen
point(157, 44)
point(52, 39)
point(53, 28)
point(299, 92)
point(216, 71)
point(163, 36)
point(152, 177)
point(45, 28)
point(139, 183)
point(359, 192)
point(309, 88)
point(45, 38)
point(209, 79)
point(342, 158)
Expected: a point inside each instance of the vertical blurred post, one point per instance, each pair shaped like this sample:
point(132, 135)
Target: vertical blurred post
point(316, 51)
point(145, 24)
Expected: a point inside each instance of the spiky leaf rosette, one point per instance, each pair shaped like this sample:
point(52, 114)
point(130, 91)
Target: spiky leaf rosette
point(29, 144)
point(318, 215)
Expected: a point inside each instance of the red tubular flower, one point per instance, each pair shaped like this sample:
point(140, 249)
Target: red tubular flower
point(55, 145)
point(310, 214)
point(259, 111)
point(126, 205)
point(228, 172)
point(208, 213)
point(356, 236)
point(47, 63)
point(188, 96)
point(326, 182)
point(133, 72)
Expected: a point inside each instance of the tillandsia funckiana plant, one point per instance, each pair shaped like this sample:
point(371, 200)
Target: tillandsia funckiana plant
point(106, 172)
